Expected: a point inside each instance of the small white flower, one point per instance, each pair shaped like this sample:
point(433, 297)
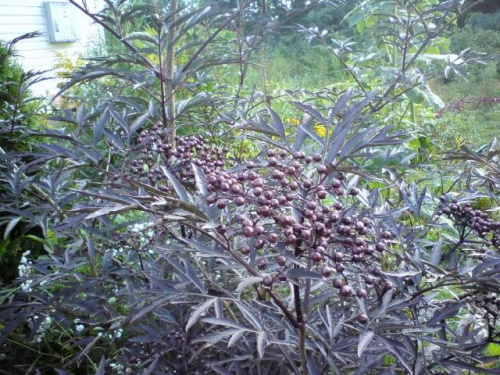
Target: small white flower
point(80, 327)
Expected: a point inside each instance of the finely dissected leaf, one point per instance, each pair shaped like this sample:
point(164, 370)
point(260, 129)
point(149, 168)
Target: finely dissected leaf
point(338, 327)
point(346, 125)
point(109, 195)
point(214, 338)
point(59, 150)
point(179, 188)
point(389, 345)
point(100, 125)
point(187, 270)
point(436, 252)
point(484, 266)
point(101, 368)
point(174, 202)
point(278, 124)
point(222, 322)
point(139, 122)
point(81, 115)
point(364, 341)
point(312, 111)
point(307, 123)
point(260, 127)
point(140, 35)
point(311, 365)
point(146, 310)
point(196, 314)
point(309, 131)
point(250, 317)
point(204, 249)
point(182, 105)
point(85, 350)
point(152, 366)
point(111, 210)
point(261, 342)
point(10, 226)
point(245, 283)
point(90, 247)
point(235, 337)
point(200, 179)
point(448, 311)
point(342, 102)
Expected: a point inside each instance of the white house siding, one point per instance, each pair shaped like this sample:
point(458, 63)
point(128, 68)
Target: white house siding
point(18, 17)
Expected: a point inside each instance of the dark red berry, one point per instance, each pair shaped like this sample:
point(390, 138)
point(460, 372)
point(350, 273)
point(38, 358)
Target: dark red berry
point(346, 291)
point(281, 260)
point(338, 283)
point(267, 281)
point(222, 203)
point(245, 250)
point(322, 169)
point(262, 264)
point(362, 293)
point(248, 231)
point(362, 318)
point(327, 272)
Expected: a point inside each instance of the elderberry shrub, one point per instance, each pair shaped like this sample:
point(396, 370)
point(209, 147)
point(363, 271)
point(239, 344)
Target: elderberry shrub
point(286, 212)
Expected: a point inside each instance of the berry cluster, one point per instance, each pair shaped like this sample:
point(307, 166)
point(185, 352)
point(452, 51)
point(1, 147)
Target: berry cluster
point(485, 300)
point(156, 149)
point(288, 208)
point(465, 216)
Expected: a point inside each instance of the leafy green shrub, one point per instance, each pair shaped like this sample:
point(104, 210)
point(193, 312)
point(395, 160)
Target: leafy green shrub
point(18, 107)
point(19, 114)
point(479, 40)
point(485, 21)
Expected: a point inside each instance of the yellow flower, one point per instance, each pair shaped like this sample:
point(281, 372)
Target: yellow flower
point(321, 130)
point(295, 121)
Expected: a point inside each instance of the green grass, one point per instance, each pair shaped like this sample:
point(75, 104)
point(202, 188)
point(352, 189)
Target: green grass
point(473, 125)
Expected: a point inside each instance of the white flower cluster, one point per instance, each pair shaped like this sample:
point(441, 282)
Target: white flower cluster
point(138, 227)
point(79, 327)
point(25, 270)
point(44, 327)
point(115, 334)
point(146, 235)
point(24, 265)
point(116, 367)
point(118, 251)
point(118, 333)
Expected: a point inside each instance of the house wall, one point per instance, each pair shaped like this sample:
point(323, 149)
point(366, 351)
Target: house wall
point(18, 17)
